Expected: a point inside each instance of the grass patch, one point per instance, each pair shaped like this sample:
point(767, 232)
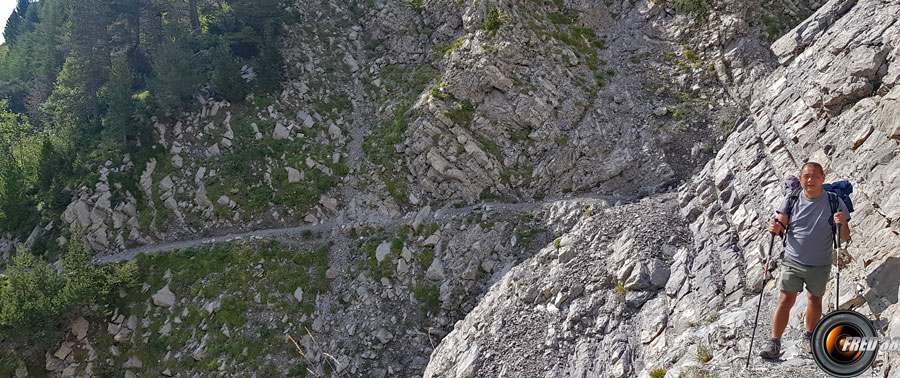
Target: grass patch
point(490, 147)
point(447, 50)
point(519, 135)
point(416, 5)
point(704, 353)
point(428, 297)
point(699, 8)
point(378, 270)
point(426, 258)
point(461, 114)
point(560, 18)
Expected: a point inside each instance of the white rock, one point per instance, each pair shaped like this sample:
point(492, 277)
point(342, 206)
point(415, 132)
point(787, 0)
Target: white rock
point(166, 184)
point(435, 272)
point(280, 132)
point(383, 250)
point(213, 306)
point(334, 132)
point(406, 254)
point(63, 351)
point(384, 336)
point(133, 363)
point(329, 203)
point(432, 240)
point(298, 294)
point(293, 175)
point(164, 297)
point(213, 150)
point(80, 327)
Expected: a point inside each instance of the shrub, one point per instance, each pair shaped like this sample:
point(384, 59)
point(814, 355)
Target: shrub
point(416, 5)
point(461, 114)
point(428, 296)
point(35, 297)
point(658, 373)
point(704, 353)
point(494, 20)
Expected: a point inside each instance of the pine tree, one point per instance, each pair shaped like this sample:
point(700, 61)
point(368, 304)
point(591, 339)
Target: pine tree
point(175, 71)
point(118, 122)
point(16, 22)
point(226, 74)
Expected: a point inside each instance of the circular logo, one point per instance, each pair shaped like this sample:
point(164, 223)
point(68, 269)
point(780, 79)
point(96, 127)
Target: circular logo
point(844, 343)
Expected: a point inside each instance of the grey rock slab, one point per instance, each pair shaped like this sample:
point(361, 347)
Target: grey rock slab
point(382, 250)
point(164, 297)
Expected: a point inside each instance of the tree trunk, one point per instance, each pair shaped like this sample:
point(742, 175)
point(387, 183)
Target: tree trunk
point(195, 17)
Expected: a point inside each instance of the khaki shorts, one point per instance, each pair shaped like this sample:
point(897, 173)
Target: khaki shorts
point(794, 275)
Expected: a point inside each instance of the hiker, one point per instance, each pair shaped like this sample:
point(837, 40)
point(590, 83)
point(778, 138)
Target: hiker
point(808, 249)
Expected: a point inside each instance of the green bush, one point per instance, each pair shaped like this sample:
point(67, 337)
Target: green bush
point(494, 20)
point(658, 373)
point(428, 297)
point(461, 114)
point(416, 5)
point(35, 298)
point(226, 77)
point(699, 8)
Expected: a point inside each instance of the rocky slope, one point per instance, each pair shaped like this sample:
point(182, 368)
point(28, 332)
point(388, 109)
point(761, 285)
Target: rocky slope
point(395, 108)
point(390, 106)
point(831, 99)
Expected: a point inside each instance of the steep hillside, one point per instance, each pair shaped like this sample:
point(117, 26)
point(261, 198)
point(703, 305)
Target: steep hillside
point(391, 106)
point(832, 99)
point(597, 171)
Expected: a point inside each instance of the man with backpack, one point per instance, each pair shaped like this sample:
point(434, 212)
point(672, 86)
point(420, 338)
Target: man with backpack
point(807, 216)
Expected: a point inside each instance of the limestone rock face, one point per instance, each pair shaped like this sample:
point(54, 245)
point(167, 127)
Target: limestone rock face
point(649, 141)
point(653, 303)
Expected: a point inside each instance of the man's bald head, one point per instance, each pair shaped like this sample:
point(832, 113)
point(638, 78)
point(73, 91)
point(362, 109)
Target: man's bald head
point(812, 165)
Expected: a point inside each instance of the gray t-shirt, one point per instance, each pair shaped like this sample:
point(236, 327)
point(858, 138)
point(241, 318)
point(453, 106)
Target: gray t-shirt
point(809, 239)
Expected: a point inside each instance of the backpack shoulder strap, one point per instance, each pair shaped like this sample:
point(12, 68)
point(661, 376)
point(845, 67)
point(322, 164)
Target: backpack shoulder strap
point(792, 201)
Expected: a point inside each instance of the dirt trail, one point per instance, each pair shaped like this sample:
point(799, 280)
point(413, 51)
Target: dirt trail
point(387, 222)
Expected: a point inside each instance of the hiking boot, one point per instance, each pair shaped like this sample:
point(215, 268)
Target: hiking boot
point(806, 345)
point(773, 349)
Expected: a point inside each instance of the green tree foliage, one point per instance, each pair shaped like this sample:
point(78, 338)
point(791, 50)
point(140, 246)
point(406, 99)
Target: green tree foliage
point(35, 298)
point(76, 75)
point(175, 78)
point(270, 67)
point(226, 78)
point(494, 20)
point(119, 123)
point(17, 155)
point(16, 22)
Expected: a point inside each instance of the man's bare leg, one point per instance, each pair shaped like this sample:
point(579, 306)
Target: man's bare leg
point(813, 311)
point(783, 312)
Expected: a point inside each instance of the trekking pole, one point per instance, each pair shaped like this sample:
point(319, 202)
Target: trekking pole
point(759, 305)
point(837, 278)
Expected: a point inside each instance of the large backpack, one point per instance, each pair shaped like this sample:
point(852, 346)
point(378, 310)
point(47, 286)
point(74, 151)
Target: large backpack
point(839, 190)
